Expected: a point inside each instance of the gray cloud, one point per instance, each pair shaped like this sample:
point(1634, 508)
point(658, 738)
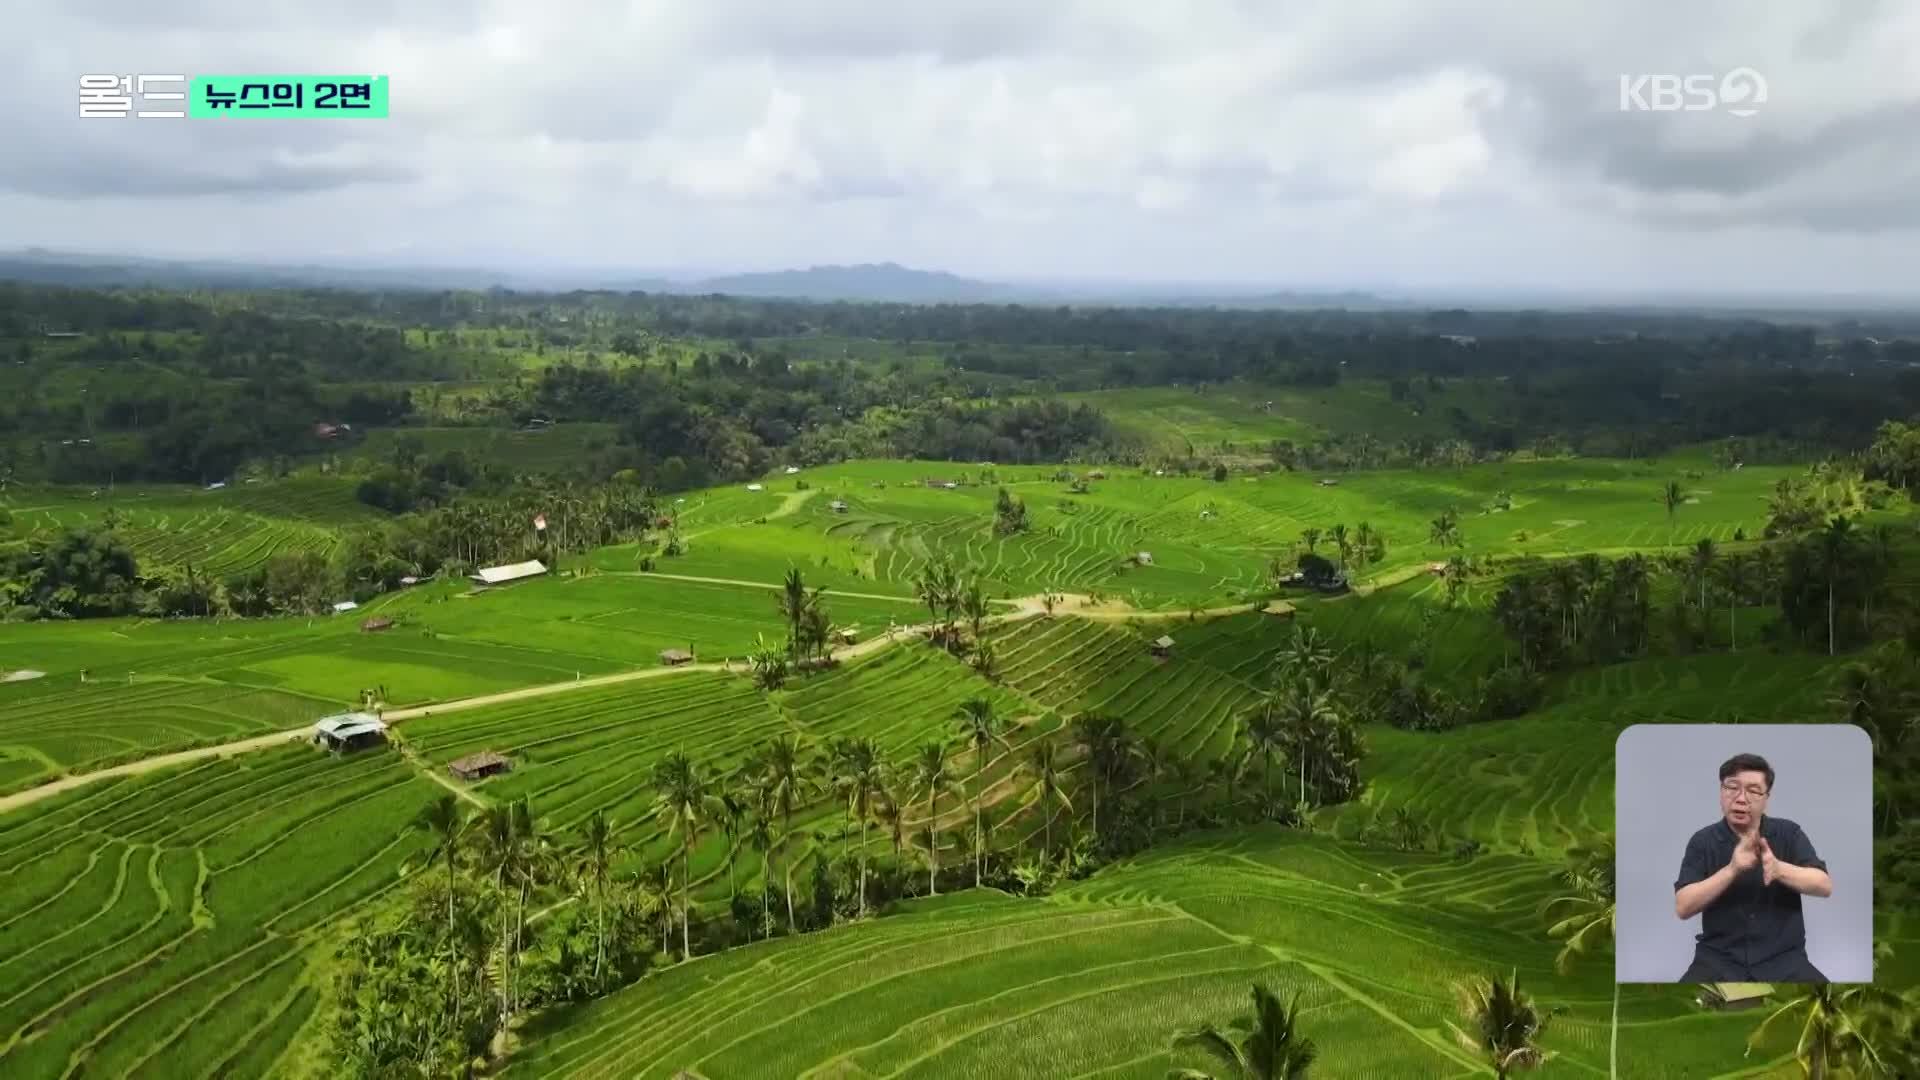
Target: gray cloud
point(1295, 142)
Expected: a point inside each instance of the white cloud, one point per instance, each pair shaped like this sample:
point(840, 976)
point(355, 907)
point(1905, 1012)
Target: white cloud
point(1138, 138)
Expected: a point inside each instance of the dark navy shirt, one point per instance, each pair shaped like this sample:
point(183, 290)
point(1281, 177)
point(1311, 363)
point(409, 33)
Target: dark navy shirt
point(1753, 932)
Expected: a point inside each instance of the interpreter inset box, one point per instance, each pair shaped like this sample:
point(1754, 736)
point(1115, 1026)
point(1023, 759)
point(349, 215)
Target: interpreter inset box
point(1744, 854)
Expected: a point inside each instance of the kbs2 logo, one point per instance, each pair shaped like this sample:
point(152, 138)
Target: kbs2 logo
point(1739, 92)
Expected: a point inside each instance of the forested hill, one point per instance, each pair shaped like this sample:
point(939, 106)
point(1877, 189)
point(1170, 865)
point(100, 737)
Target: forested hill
point(109, 384)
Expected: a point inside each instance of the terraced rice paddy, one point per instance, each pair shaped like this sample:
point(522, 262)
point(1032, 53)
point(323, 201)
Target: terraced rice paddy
point(62, 728)
point(1095, 979)
point(1207, 540)
point(159, 926)
point(216, 532)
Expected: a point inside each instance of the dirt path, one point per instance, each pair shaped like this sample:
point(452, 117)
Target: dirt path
point(830, 590)
point(1027, 607)
point(147, 765)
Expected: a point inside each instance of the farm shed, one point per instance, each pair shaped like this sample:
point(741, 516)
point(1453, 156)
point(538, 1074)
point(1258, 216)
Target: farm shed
point(1280, 608)
point(1144, 558)
point(838, 506)
point(847, 635)
point(756, 487)
point(1162, 646)
point(1329, 482)
point(1437, 568)
point(675, 657)
point(500, 575)
point(479, 766)
point(376, 624)
point(349, 731)
point(1097, 474)
point(344, 606)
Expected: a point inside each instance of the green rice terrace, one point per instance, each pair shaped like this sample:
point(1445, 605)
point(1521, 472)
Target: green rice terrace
point(1142, 764)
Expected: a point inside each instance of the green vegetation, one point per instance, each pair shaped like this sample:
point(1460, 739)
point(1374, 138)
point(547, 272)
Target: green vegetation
point(1055, 681)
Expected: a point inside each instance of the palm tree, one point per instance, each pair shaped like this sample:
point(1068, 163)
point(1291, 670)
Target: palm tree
point(858, 775)
point(1265, 1046)
point(1263, 736)
point(1304, 656)
point(498, 844)
point(793, 602)
point(595, 854)
point(760, 835)
point(1502, 1024)
point(1836, 542)
point(1305, 715)
point(1838, 1019)
point(441, 819)
point(784, 781)
point(1311, 536)
point(982, 727)
point(1583, 916)
point(1444, 530)
point(732, 806)
point(1734, 570)
point(1045, 765)
point(973, 604)
point(1108, 745)
point(1343, 543)
point(682, 804)
point(529, 867)
point(1673, 498)
point(931, 775)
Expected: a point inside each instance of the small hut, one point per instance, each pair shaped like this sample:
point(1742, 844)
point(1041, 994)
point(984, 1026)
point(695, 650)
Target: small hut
point(1281, 608)
point(349, 732)
point(1162, 646)
point(846, 635)
point(1097, 474)
point(479, 766)
point(675, 657)
point(1143, 558)
point(376, 624)
point(1329, 482)
point(838, 506)
point(344, 606)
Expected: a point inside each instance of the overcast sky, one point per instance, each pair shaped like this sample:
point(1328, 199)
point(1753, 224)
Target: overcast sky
point(1373, 143)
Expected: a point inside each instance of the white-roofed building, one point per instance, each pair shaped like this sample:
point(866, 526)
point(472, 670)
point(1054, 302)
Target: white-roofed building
point(520, 571)
point(349, 731)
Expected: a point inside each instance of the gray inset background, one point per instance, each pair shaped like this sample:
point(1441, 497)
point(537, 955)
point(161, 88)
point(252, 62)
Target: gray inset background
point(1666, 780)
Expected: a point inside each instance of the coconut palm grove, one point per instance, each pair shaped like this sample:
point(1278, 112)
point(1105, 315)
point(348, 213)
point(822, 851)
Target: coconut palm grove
point(426, 683)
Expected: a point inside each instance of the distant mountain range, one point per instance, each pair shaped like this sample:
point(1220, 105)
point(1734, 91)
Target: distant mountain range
point(867, 282)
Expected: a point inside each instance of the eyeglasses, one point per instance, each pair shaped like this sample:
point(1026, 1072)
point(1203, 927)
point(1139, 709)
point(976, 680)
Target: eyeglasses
point(1733, 788)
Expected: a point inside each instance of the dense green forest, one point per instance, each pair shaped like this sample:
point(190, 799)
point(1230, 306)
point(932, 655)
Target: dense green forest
point(122, 385)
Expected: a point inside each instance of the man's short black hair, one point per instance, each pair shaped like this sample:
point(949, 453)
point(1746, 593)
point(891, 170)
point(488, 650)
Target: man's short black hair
point(1740, 763)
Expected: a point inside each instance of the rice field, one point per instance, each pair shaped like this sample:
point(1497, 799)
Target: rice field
point(1096, 978)
point(160, 926)
point(1207, 540)
point(218, 533)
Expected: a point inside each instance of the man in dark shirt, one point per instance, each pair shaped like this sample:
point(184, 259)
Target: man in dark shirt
point(1747, 872)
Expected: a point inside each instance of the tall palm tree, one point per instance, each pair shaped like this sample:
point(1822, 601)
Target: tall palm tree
point(1836, 1029)
point(1502, 1024)
point(760, 836)
point(1673, 498)
point(786, 780)
point(793, 601)
point(441, 820)
point(1311, 537)
point(1262, 735)
point(1733, 569)
point(931, 775)
point(595, 857)
point(499, 850)
point(973, 604)
point(1836, 543)
point(981, 727)
point(1306, 714)
point(1583, 917)
point(1342, 542)
point(1109, 746)
point(1265, 1046)
point(682, 804)
point(1044, 763)
point(731, 802)
point(858, 777)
